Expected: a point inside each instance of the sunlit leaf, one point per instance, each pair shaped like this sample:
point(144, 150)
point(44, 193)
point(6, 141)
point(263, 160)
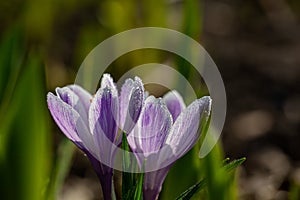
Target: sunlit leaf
point(127, 178)
point(234, 164)
point(138, 191)
point(201, 184)
point(28, 156)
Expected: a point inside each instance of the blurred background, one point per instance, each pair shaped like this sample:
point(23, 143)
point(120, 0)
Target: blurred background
point(255, 44)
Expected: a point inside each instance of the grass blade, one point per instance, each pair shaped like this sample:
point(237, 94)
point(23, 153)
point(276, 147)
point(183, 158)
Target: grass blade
point(127, 178)
point(201, 184)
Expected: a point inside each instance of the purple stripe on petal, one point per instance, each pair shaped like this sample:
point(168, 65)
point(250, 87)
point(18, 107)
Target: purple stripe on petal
point(185, 131)
point(67, 96)
point(103, 115)
point(131, 102)
point(174, 103)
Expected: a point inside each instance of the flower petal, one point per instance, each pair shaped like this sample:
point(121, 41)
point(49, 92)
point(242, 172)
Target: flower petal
point(105, 176)
point(70, 122)
point(124, 100)
point(131, 103)
point(153, 183)
point(185, 131)
point(103, 115)
point(152, 128)
point(64, 116)
point(182, 137)
point(72, 99)
point(84, 96)
point(174, 103)
point(107, 81)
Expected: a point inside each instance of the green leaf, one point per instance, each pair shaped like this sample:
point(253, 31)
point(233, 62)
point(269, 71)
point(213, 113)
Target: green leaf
point(225, 161)
point(192, 190)
point(27, 158)
point(138, 191)
point(192, 25)
point(127, 178)
point(202, 183)
point(132, 184)
point(11, 57)
point(234, 164)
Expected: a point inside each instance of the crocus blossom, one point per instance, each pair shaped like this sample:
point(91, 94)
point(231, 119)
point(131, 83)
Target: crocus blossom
point(165, 131)
point(89, 122)
point(159, 130)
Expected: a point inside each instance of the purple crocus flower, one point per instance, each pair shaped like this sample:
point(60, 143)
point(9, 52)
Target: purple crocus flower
point(158, 142)
point(92, 122)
